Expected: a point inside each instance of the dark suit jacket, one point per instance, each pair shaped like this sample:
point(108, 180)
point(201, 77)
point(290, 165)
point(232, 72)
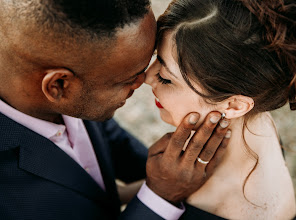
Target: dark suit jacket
point(39, 181)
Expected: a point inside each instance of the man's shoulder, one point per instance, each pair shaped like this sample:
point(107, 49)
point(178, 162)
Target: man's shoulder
point(10, 133)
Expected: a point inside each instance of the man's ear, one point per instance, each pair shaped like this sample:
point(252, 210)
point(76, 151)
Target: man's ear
point(237, 106)
point(55, 82)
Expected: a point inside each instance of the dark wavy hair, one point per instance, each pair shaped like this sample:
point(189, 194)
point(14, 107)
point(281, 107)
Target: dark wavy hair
point(236, 47)
point(233, 47)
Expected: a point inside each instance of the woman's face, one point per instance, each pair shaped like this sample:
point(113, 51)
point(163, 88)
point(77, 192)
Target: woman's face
point(174, 98)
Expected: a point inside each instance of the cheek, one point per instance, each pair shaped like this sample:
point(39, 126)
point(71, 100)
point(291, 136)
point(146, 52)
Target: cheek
point(176, 106)
point(181, 110)
point(180, 106)
point(110, 94)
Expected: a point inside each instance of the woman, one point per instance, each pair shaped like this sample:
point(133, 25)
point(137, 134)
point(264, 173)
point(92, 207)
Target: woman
point(238, 58)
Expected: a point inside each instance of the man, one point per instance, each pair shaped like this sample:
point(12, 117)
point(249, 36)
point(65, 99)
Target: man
point(64, 60)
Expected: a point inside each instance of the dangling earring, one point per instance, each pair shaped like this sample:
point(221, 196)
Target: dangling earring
point(223, 115)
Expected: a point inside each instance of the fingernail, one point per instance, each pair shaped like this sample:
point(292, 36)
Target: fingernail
point(214, 119)
point(228, 134)
point(224, 123)
point(193, 119)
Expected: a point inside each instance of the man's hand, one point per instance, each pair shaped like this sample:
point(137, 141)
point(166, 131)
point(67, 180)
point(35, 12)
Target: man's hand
point(174, 174)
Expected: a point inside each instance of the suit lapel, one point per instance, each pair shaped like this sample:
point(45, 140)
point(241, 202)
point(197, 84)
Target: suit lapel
point(104, 159)
point(41, 157)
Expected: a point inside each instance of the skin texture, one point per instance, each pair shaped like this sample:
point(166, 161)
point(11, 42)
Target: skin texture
point(178, 169)
point(268, 193)
point(46, 87)
point(177, 98)
point(46, 74)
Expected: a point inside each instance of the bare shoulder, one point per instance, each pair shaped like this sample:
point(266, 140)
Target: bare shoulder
point(270, 198)
point(258, 201)
point(267, 194)
point(269, 188)
point(245, 188)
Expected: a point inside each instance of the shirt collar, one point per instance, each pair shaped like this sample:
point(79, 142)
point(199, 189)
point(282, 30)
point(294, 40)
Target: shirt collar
point(44, 128)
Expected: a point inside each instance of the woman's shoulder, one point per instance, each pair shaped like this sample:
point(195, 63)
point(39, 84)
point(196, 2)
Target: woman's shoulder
point(248, 187)
point(269, 191)
point(258, 200)
point(269, 188)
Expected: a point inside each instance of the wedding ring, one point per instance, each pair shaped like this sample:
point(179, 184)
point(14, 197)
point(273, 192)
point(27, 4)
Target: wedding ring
point(202, 161)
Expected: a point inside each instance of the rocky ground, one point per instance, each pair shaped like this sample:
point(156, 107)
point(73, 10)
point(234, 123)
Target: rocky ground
point(140, 116)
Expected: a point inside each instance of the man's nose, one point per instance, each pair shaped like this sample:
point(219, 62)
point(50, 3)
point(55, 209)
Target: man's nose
point(140, 80)
point(150, 74)
point(150, 78)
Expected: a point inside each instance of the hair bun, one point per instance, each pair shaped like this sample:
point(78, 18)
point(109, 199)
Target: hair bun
point(278, 18)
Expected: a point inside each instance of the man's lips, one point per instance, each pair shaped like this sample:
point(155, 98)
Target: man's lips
point(158, 103)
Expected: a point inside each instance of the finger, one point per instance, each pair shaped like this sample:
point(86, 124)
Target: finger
point(161, 145)
point(181, 134)
point(200, 137)
point(213, 143)
point(219, 155)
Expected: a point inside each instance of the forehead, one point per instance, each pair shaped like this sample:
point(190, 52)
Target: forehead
point(128, 54)
point(132, 50)
point(167, 50)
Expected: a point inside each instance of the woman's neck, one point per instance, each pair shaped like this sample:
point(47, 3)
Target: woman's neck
point(248, 140)
point(235, 186)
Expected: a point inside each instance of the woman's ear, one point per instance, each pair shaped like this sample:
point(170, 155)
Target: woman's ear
point(55, 83)
point(237, 106)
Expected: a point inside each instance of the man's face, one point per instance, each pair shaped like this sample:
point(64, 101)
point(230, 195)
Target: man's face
point(104, 72)
point(107, 84)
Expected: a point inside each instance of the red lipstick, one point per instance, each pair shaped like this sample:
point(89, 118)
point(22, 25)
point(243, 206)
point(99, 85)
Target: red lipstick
point(158, 104)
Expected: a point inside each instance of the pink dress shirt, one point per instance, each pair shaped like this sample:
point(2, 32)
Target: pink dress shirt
point(73, 139)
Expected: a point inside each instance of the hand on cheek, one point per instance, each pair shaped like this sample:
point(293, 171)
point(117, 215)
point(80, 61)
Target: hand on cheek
point(174, 174)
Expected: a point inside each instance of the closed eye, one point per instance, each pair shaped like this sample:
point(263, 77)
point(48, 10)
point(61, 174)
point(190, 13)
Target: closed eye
point(162, 80)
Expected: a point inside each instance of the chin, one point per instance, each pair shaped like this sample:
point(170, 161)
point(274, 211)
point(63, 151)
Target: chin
point(104, 117)
point(99, 118)
point(168, 120)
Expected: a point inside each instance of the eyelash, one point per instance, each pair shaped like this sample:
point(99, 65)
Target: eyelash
point(162, 80)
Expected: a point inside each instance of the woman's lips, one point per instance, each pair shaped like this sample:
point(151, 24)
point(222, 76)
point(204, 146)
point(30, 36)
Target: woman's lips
point(158, 103)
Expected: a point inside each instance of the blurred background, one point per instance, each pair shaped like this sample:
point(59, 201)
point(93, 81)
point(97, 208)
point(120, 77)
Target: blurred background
point(140, 116)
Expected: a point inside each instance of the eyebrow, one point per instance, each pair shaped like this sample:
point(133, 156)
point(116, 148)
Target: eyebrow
point(165, 66)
